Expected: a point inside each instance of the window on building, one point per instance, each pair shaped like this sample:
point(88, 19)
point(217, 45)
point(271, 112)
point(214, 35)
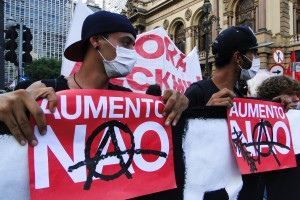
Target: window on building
point(199, 36)
point(180, 37)
point(245, 13)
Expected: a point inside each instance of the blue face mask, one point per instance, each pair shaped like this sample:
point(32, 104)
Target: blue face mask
point(247, 74)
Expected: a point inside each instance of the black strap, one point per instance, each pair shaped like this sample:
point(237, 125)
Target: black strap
point(58, 84)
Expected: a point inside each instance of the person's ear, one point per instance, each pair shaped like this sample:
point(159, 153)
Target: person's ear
point(237, 58)
point(95, 42)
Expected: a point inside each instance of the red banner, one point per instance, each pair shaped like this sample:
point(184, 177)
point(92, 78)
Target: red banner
point(102, 145)
point(260, 136)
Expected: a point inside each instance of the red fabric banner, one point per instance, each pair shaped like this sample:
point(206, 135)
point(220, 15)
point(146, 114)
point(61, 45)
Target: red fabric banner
point(260, 136)
point(292, 60)
point(102, 145)
point(289, 71)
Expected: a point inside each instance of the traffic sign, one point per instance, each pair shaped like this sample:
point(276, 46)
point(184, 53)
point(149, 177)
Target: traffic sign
point(278, 56)
point(277, 69)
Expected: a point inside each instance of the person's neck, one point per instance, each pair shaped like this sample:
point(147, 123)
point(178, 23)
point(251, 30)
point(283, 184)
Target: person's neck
point(225, 78)
point(91, 75)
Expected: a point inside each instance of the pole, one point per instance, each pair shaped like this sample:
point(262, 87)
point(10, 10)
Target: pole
point(293, 69)
point(20, 52)
point(2, 66)
point(206, 47)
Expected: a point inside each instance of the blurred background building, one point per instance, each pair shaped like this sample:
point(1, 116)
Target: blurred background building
point(49, 22)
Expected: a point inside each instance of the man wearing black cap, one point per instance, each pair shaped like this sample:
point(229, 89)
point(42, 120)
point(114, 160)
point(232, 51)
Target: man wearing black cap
point(106, 50)
point(235, 51)
point(236, 58)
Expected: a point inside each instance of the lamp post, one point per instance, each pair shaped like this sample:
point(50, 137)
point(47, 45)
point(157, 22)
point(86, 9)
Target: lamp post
point(206, 23)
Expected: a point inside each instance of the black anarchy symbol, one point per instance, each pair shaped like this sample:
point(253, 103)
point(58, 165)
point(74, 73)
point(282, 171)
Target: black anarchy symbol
point(92, 162)
point(263, 125)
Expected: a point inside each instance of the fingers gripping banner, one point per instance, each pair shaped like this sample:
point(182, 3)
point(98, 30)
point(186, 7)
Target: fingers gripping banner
point(102, 145)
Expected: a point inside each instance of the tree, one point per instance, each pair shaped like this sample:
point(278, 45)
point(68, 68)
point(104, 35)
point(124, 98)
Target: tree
point(43, 68)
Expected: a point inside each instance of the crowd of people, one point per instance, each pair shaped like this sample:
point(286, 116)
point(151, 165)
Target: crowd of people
point(107, 51)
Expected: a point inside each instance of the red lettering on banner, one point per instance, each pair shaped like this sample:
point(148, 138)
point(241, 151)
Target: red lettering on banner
point(187, 83)
point(260, 136)
point(139, 46)
point(158, 76)
point(133, 84)
point(178, 85)
point(117, 81)
point(181, 63)
point(161, 46)
point(76, 67)
point(141, 76)
point(170, 54)
point(165, 80)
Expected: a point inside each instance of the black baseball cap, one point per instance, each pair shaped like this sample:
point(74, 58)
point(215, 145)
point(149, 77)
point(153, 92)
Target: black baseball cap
point(101, 22)
point(235, 38)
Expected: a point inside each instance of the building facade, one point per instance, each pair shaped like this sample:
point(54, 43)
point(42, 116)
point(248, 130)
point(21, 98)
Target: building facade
point(115, 6)
point(275, 21)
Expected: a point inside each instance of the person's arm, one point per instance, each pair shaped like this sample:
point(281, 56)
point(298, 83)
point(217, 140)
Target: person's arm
point(13, 107)
point(175, 104)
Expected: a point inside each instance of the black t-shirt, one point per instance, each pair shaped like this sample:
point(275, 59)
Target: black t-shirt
point(200, 92)
point(61, 83)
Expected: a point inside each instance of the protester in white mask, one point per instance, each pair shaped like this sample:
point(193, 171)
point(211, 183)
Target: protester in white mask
point(247, 74)
point(122, 64)
point(106, 50)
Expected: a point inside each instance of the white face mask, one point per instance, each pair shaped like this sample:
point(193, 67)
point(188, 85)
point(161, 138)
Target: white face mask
point(123, 63)
point(247, 74)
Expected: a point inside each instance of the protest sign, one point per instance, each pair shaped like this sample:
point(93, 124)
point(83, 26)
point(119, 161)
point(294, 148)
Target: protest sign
point(210, 166)
point(260, 136)
point(102, 144)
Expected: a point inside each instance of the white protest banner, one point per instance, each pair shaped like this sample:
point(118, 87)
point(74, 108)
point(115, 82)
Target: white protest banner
point(80, 13)
point(161, 62)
